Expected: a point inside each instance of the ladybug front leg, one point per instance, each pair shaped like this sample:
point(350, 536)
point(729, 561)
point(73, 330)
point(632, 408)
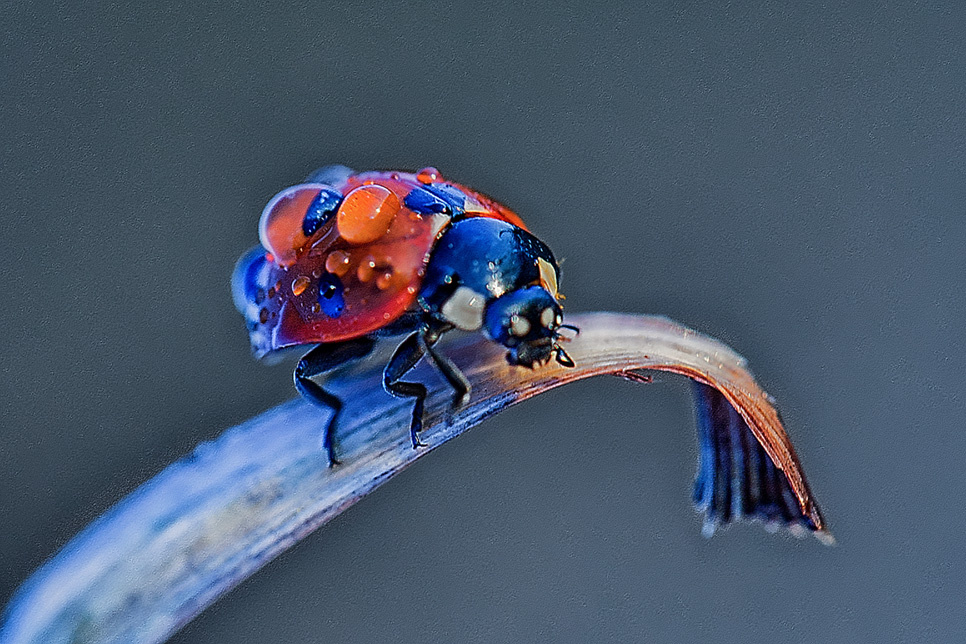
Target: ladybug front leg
point(322, 359)
point(456, 379)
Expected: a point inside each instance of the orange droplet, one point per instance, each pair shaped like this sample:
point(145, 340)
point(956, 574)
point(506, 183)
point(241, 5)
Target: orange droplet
point(280, 227)
point(299, 285)
point(384, 280)
point(428, 175)
point(337, 262)
point(263, 316)
point(366, 213)
point(367, 269)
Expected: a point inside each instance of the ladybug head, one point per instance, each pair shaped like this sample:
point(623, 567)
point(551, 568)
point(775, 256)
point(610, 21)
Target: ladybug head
point(526, 321)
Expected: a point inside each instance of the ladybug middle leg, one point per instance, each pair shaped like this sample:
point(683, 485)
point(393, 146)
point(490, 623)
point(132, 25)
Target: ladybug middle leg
point(404, 359)
point(322, 359)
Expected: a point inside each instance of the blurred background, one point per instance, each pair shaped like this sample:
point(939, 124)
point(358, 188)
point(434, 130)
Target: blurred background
point(789, 180)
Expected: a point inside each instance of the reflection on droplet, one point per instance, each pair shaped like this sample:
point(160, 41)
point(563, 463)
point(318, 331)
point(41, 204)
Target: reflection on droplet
point(299, 284)
point(337, 263)
point(429, 175)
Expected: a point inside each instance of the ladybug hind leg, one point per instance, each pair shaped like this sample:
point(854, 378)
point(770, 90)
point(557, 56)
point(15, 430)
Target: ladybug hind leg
point(323, 359)
point(407, 354)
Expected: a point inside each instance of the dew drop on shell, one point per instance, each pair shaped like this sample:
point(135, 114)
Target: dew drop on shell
point(299, 284)
point(428, 175)
point(337, 263)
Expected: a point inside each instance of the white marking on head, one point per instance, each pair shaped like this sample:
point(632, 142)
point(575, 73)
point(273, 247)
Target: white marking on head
point(546, 317)
point(548, 275)
point(438, 222)
point(519, 325)
point(464, 309)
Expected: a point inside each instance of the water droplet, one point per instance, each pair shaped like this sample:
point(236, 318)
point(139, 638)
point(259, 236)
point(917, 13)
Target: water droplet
point(384, 281)
point(263, 316)
point(337, 263)
point(428, 175)
point(271, 292)
point(331, 295)
point(372, 267)
point(367, 269)
point(259, 296)
point(316, 308)
point(280, 227)
point(299, 284)
point(366, 214)
point(411, 290)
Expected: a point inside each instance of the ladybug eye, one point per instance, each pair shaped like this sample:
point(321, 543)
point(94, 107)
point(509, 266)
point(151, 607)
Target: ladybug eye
point(546, 317)
point(519, 325)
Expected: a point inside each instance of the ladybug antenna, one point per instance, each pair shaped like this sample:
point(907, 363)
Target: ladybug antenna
point(571, 327)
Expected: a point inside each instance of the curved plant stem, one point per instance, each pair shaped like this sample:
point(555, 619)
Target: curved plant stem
point(208, 521)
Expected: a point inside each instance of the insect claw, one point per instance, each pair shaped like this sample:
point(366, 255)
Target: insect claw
point(459, 400)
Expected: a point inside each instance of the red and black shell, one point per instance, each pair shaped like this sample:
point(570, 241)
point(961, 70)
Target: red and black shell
point(344, 254)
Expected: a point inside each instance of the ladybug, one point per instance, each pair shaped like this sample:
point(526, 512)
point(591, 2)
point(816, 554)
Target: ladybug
point(348, 258)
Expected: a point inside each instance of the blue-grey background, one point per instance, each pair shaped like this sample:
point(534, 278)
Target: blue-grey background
point(788, 179)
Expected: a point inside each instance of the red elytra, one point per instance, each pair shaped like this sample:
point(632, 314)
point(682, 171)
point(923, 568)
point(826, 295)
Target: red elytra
point(374, 249)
